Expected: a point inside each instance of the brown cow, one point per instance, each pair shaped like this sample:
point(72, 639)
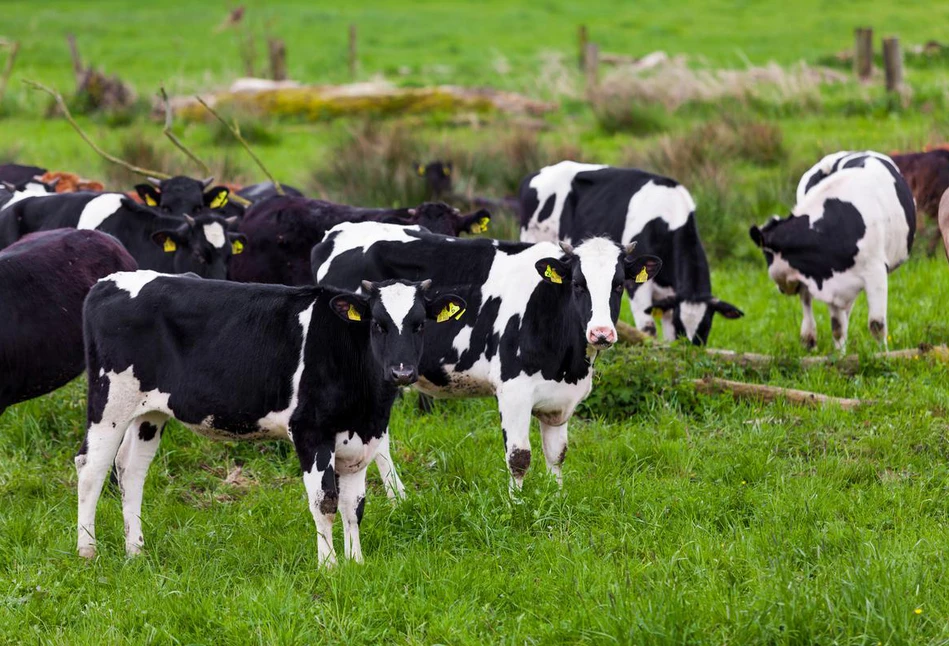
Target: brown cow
point(944, 220)
point(927, 174)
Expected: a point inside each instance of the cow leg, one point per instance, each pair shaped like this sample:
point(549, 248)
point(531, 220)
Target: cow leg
point(319, 477)
point(352, 498)
point(668, 326)
point(876, 286)
point(808, 324)
point(131, 466)
point(515, 411)
point(395, 490)
point(639, 301)
point(839, 323)
point(555, 448)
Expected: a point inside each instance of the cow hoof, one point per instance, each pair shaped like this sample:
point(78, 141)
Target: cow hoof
point(87, 552)
point(809, 342)
point(877, 329)
point(132, 551)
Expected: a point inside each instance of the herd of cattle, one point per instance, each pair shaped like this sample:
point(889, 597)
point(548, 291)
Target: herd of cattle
point(300, 319)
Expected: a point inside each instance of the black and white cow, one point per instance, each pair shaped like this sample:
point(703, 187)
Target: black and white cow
point(174, 244)
point(853, 224)
point(282, 231)
point(537, 314)
point(183, 195)
point(19, 174)
point(571, 201)
point(314, 365)
point(43, 280)
point(11, 193)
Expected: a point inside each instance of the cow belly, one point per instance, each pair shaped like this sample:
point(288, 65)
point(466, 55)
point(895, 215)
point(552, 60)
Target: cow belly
point(352, 453)
point(460, 385)
point(555, 401)
point(255, 433)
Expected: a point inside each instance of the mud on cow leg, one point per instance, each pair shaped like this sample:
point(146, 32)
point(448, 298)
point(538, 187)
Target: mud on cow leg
point(318, 462)
point(515, 423)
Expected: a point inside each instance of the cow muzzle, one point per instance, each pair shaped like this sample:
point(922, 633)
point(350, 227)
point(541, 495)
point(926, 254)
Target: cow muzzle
point(601, 336)
point(402, 375)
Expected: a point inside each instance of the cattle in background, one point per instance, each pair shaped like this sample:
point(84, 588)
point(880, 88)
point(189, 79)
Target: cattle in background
point(927, 174)
point(314, 365)
point(571, 201)
point(853, 224)
point(283, 230)
point(263, 190)
point(43, 280)
point(183, 195)
point(944, 220)
point(437, 176)
point(18, 174)
point(10, 193)
point(201, 244)
point(536, 317)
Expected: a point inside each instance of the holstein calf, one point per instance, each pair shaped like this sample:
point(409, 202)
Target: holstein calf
point(537, 315)
point(201, 244)
point(571, 201)
point(853, 224)
point(43, 280)
point(283, 230)
point(317, 366)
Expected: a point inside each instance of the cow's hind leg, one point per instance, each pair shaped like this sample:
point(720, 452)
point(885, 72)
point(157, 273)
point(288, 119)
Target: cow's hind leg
point(131, 466)
point(515, 409)
point(352, 498)
point(808, 324)
point(839, 323)
point(395, 490)
point(876, 287)
point(318, 460)
point(555, 448)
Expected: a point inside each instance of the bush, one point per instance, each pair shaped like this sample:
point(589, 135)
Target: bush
point(616, 113)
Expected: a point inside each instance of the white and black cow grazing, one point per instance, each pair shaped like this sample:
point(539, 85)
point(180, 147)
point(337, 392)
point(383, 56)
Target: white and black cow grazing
point(573, 201)
point(536, 316)
point(317, 366)
point(174, 244)
point(43, 281)
point(853, 224)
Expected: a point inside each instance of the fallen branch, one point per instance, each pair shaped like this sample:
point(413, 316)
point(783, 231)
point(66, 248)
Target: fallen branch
point(169, 115)
point(759, 392)
point(235, 131)
point(849, 362)
point(115, 160)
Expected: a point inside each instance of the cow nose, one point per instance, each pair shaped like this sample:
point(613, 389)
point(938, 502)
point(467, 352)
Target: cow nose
point(602, 336)
point(403, 375)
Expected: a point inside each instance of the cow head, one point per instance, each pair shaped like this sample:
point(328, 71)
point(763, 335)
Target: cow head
point(438, 217)
point(781, 272)
point(183, 195)
point(202, 245)
point(34, 186)
point(692, 316)
point(593, 278)
point(397, 312)
point(437, 176)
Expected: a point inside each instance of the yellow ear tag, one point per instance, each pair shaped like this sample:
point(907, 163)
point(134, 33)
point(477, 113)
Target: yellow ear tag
point(446, 171)
point(352, 314)
point(642, 276)
point(169, 245)
point(150, 201)
point(237, 247)
point(552, 274)
point(447, 312)
point(219, 201)
point(475, 228)
point(483, 223)
point(420, 170)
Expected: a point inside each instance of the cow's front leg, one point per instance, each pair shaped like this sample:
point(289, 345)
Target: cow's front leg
point(640, 301)
point(555, 448)
point(352, 498)
point(876, 286)
point(808, 324)
point(395, 490)
point(839, 323)
point(317, 459)
point(515, 409)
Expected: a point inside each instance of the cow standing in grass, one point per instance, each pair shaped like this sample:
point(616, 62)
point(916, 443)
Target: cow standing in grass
point(852, 225)
point(537, 316)
point(571, 201)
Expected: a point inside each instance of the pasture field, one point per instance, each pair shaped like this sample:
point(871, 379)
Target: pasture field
point(683, 518)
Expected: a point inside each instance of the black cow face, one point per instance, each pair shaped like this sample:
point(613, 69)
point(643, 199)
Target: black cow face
point(437, 176)
point(397, 312)
point(692, 317)
point(202, 245)
point(183, 195)
point(596, 274)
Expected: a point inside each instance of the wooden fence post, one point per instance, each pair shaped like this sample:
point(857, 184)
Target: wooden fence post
point(893, 64)
point(582, 40)
point(278, 59)
point(592, 67)
point(352, 52)
point(863, 52)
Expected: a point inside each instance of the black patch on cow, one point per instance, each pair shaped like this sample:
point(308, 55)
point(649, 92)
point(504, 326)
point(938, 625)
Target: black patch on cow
point(836, 327)
point(563, 455)
point(147, 431)
point(360, 508)
point(876, 327)
point(905, 196)
point(519, 462)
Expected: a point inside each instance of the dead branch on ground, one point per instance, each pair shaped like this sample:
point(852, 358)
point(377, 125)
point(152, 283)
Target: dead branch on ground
point(760, 392)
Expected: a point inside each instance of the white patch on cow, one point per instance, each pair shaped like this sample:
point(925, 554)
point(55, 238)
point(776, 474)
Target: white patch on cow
point(98, 209)
point(350, 235)
point(398, 299)
point(672, 204)
point(462, 340)
point(278, 422)
point(214, 233)
point(30, 190)
point(691, 314)
point(134, 281)
point(352, 453)
point(598, 258)
point(826, 164)
point(552, 181)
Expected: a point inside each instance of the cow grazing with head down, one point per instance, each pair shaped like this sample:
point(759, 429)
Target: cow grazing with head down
point(317, 366)
point(852, 225)
point(43, 280)
point(283, 230)
point(175, 244)
point(536, 317)
point(573, 201)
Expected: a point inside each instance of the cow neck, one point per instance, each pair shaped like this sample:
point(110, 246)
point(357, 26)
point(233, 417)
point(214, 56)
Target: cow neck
point(691, 264)
point(552, 330)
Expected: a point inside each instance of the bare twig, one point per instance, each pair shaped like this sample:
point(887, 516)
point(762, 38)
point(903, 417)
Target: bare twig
point(14, 49)
point(760, 392)
point(849, 362)
point(235, 131)
point(76, 60)
point(169, 115)
point(115, 160)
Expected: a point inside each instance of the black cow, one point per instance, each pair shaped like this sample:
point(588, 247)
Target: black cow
point(170, 244)
point(572, 201)
point(537, 315)
point(317, 366)
point(183, 195)
point(283, 230)
point(437, 176)
point(263, 190)
point(43, 280)
point(18, 174)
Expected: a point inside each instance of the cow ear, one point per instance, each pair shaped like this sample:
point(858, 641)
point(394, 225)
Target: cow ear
point(642, 268)
point(168, 239)
point(553, 270)
point(238, 242)
point(419, 169)
point(350, 307)
point(663, 305)
point(756, 236)
point(727, 310)
point(216, 197)
point(149, 194)
point(479, 224)
point(446, 307)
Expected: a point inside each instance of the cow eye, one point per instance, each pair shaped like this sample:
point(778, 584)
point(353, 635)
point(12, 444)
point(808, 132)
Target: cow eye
point(196, 209)
point(166, 209)
point(618, 287)
point(377, 327)
point(419, 327)
point(579, 285)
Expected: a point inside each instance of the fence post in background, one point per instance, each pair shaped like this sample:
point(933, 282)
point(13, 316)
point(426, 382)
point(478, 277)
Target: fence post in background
point(893, 64)
point(582, 40)
point(352, 52)
point(592, 67)
point(863, 52)
point(278, 59)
